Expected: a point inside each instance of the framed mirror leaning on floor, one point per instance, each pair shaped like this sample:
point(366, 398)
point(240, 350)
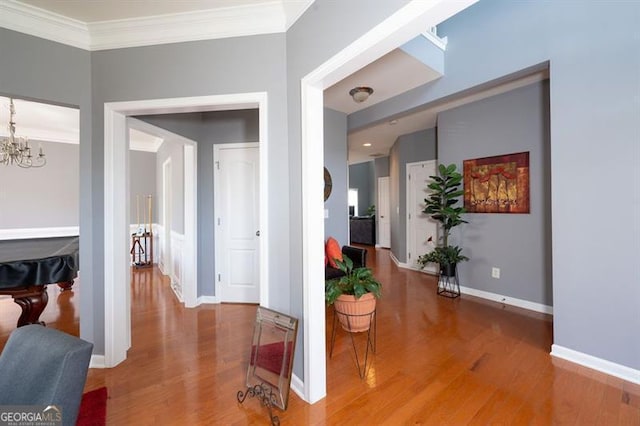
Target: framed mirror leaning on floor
point(271, 360)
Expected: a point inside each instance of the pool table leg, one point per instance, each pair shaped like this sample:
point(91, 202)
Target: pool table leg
point(32, 299)
point(65, 285)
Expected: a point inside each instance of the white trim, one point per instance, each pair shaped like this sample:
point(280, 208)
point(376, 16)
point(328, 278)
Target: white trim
point(315, 372)
point(208, 300)
point(440, 43)
point(508, 300)
point(28, 233)
point(116, 260)
point(397, 262)
point(297, 386)
point(190, 248)
point(613, 369)
point(97, 361)
point(236, 21)
point(117, 326)
point(34, 21)
point(144, 146)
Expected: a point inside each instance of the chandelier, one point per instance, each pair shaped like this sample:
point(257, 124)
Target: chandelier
point(16, 150)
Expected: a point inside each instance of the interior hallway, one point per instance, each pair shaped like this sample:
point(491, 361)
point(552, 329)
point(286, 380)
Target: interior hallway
point(438, 361)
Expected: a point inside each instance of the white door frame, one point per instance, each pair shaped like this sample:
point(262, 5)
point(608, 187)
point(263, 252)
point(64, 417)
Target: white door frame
point(408, 22)
point(117, 323)
point(216, 188)
point(167, 196)
point(190, 249)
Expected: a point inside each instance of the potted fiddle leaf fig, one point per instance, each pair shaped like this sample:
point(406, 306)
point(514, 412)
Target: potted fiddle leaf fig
point(353, 295)
point(442, 207)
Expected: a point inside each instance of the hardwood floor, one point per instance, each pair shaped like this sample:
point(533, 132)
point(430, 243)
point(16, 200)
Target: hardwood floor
point(438, 361)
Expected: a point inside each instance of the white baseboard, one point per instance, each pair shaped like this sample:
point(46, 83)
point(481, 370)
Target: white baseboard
point(397, 262)
point(207, 299)
point(27, 233)
point(97, 361)
point(611, 368)
point(508, 300)
point(297, 386)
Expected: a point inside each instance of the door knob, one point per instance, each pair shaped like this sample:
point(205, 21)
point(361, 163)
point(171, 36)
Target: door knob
point(257, 233)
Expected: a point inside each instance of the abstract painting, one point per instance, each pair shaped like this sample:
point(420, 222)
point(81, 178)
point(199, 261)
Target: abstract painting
point(497, 184)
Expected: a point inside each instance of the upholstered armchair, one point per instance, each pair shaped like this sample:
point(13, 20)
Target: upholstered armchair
point(43, 366)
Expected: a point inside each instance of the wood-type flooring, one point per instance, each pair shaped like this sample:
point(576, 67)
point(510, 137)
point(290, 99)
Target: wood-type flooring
point(438, 362)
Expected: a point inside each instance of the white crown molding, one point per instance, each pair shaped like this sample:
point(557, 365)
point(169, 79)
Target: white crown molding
point(145, 146)
point(188, 26)
point(237, 21)
point(41, 23)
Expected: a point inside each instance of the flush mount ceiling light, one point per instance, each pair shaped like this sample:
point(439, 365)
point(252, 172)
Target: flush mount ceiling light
point(366, 144)
point(360, 94)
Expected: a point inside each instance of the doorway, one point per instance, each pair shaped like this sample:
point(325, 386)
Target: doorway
point(406, 23)
point(419, 225)
point(384, 213)
point(117, 295)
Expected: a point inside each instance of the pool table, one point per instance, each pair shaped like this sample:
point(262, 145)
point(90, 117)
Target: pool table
point(27, 266)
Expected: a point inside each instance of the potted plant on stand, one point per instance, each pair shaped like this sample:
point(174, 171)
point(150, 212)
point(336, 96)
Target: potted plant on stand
point(353, 295)
point(442, 207)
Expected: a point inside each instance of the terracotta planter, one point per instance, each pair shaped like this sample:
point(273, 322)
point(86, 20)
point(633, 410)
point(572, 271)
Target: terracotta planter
point(355, 315)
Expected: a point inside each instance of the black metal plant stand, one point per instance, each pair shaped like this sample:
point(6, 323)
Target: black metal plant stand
point(266, 396)
point(448, 284)
point(371, 338)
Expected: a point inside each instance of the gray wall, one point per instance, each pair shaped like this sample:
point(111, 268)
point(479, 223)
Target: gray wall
point(194, 69)
point(45, 71)
point(208, 129)
point(518, 244)
point(362, 178)
point(43, 197)
point(411, 148)
point(335, 160)
point(142, 182)
point(381, 165)
point(593, 102)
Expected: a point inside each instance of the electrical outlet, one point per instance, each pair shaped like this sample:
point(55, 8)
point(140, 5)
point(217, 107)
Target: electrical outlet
point(495, 273)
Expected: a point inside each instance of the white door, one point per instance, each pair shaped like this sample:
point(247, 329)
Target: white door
point(419, 225)
point(237, 208)
point(384, 211)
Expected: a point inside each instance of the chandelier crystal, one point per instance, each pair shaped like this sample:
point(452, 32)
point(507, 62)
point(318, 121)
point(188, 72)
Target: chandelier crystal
point(16, 150)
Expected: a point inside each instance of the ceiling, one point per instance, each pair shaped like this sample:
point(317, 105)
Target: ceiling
point(383, 135)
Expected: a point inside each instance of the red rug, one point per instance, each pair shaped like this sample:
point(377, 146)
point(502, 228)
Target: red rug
point(93, 408)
